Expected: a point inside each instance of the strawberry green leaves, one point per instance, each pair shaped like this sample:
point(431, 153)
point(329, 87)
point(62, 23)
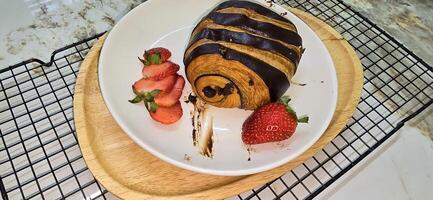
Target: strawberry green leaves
point(145, 96)
point(154, 58)
point(151, 106)
point(303, 119)
point(144, 61)
point(153, 93)
point(136, 99)
point(151, 59)
point(148, 98)
point(285, 100)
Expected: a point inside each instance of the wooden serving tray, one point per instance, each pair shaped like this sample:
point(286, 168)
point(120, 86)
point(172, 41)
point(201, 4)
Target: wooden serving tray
point(130, 172)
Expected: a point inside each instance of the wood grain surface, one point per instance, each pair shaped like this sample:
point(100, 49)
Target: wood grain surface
point(129, 172)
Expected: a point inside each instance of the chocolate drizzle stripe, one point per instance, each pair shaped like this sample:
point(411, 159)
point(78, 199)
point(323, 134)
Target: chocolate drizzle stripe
point(275, 80)
point(208, 23)
point(261, 28)
point(258, 17)
point(246, 39)
point(253, 6)
point(272, 59)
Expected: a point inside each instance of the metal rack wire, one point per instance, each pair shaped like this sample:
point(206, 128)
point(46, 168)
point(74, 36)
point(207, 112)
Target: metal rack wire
point(40, 157)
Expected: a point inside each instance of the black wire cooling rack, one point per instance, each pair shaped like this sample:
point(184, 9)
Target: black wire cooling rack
point(40, 157)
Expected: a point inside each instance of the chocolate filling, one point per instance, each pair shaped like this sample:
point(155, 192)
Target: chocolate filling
point(246, 39)
point(209, 92)
point(231, 84)
point(275, 80)
point(227, 90)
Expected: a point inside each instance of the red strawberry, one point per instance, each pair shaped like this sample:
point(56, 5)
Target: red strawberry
point(173, 96)
point(272, 122)
point(159, 71)
point(167, 115)
point(147, 85)
point(164, 53)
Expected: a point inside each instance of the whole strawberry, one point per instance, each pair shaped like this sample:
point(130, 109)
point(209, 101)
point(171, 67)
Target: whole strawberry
point(272, 122)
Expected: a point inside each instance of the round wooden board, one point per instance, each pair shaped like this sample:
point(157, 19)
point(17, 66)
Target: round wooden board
point(130, 172)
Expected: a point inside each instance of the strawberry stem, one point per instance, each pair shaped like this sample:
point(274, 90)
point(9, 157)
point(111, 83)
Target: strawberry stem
point(136, 99)
point(291, 111)
point(148, 98)
point(150, 58)
point(153, 106)
point(285, 100)
point(144, 61)
point(303, 119)
point(154, 58)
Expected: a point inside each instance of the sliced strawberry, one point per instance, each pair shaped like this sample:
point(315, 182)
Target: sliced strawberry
point(173, 96)
point(164, 53)
point(147, 85)
point(160, 71)
point(167, 115)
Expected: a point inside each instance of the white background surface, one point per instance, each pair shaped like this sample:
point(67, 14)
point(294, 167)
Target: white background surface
point(402, 169)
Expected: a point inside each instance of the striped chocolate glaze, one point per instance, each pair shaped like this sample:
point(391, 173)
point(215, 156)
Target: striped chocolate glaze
point(252, 6)
point(246, 39)
point(261, 28)
point(258, 17)
point(275, 80)
point(238, 42)
point(208, 23)
point(273, 59)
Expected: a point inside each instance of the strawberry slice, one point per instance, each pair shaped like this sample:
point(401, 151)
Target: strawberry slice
point(160, 71)
point(167, 115)
point(146, 85)
point(164, 53)
point(173, 96)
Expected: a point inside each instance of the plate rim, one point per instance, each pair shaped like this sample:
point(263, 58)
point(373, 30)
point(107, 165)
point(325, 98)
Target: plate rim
point(187, 166)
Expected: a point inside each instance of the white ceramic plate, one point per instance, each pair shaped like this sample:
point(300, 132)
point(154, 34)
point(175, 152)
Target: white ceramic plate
point(168, 23)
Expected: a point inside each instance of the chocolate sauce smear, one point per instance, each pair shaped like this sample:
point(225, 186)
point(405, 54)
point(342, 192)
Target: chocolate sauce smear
point(202, 123)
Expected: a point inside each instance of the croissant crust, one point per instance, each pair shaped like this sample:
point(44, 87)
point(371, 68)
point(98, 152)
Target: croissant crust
point(243, 55)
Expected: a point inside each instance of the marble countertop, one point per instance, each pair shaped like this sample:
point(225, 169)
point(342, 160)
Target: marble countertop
point(44, 25)
point(409, 21)
point(34, 28)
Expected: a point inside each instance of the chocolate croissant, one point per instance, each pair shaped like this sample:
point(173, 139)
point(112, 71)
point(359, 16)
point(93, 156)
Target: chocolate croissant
point(242, 55)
